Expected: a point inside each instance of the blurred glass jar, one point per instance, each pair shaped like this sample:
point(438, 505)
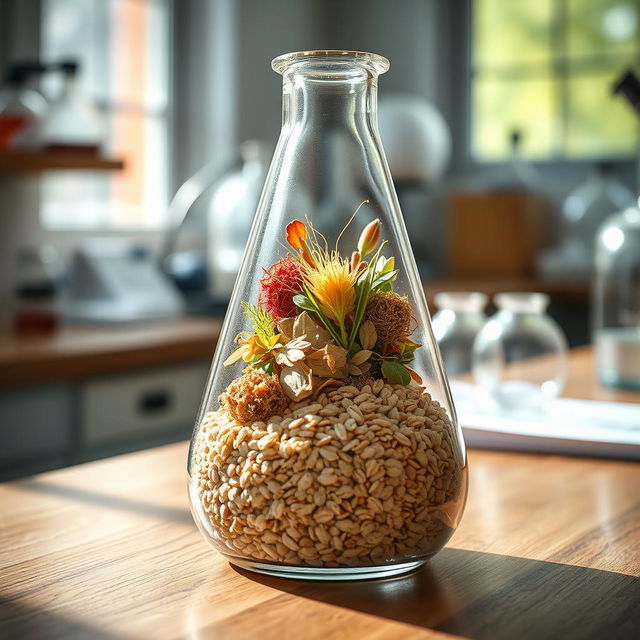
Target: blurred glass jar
point(616, 300)
point(455, 326)
point(519, 356)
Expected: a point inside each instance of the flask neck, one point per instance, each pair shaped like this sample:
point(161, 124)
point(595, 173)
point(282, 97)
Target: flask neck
point(348, 100)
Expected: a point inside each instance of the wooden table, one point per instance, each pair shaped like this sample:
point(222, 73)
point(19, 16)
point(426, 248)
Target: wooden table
point(548, 548)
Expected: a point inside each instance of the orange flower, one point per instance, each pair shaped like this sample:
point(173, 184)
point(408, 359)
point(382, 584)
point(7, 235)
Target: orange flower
point(297, 235)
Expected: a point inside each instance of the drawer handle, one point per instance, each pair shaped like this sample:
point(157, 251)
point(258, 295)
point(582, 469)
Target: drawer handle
point(155, 401)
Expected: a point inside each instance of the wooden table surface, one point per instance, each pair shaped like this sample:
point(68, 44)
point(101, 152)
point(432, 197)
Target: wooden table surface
point(548, 547)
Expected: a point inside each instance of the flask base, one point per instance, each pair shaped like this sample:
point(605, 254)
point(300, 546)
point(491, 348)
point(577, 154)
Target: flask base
point(327, 573)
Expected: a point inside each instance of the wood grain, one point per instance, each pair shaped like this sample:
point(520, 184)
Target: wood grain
point(549, 547)
point(76, 352)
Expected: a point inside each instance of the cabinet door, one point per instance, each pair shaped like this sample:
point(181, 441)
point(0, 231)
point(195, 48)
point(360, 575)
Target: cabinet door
point(143, 404)
point(35, 422)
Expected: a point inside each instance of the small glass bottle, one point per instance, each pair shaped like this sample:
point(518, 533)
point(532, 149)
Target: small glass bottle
point(37, 284)
point(455, 326)
point(616, 296)
point(73, 123)
point(519, 356)
point(21, 108)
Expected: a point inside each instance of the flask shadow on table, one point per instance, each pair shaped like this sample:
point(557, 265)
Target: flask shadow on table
point(486, 595)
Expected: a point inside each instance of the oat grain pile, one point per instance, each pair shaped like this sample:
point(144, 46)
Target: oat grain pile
point(354, 477)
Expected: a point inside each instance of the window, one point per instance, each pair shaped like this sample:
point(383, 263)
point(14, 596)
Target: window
point(546, 68)
point(123, 50)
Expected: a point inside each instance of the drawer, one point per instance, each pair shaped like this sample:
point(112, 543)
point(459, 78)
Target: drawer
point(34, 422)
point(129, 406)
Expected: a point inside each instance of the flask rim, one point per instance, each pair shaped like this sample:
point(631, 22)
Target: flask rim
point(373, 62)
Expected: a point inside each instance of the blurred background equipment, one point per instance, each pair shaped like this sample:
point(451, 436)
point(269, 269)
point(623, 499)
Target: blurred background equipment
point(22, 108)
point(583, 211)
point(72, 123)
point(459, 318)
point(118, 281)
point(37, 291)
point(216, 205)
point(519, 356)
point(416, 138)
point(616, 304)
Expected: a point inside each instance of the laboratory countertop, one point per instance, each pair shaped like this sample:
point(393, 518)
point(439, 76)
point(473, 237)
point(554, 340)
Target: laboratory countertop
point(79, 351)
point(548, 547)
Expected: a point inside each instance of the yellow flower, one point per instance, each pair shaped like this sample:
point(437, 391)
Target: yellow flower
point(331, 283)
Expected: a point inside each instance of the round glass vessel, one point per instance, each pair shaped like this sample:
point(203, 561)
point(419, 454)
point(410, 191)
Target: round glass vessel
point(616, 295)
point(456, 325)
point(519, 356)
point(327, 445)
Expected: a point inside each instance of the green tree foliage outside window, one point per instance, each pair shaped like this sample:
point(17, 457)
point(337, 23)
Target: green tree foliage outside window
point(546, 67)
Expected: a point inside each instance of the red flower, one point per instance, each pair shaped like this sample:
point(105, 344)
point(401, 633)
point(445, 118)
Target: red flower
point(282, 280)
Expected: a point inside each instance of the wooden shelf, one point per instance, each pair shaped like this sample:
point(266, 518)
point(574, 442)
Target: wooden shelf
point(35, 161)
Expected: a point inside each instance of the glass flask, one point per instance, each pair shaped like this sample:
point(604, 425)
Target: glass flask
point(519, 356)
point(616, 296)
point(455, 326)
point(327, 445)
point(583, 211)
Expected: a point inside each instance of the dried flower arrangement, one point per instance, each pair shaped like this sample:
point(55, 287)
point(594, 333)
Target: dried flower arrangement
point(327, 451)
point(322, 318)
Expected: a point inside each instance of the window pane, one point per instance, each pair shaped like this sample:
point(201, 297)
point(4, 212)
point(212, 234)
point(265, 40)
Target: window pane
point(508, 32)
point(598, 123)
point(599, 27)
point(502, 105)
point(139, 53)
point(139, 192)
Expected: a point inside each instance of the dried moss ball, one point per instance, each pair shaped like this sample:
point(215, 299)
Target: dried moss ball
point(390, 314)
point(254, 396)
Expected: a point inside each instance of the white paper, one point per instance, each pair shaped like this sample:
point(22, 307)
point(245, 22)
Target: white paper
point(566, 425)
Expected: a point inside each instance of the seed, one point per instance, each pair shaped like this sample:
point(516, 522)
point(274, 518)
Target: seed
point(327, 477)
point(329, 453)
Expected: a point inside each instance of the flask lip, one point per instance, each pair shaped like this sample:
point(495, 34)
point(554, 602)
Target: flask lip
point(373, 62)
point(463, 301)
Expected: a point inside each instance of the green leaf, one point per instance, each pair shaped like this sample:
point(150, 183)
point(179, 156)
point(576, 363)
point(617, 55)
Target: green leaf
point(262, 322)
point(302, 302)
point(387, 277)
point(385, 265)
point(395, 373)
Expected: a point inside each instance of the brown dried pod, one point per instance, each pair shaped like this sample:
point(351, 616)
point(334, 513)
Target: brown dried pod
point(254, 396)
point(390, 314)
